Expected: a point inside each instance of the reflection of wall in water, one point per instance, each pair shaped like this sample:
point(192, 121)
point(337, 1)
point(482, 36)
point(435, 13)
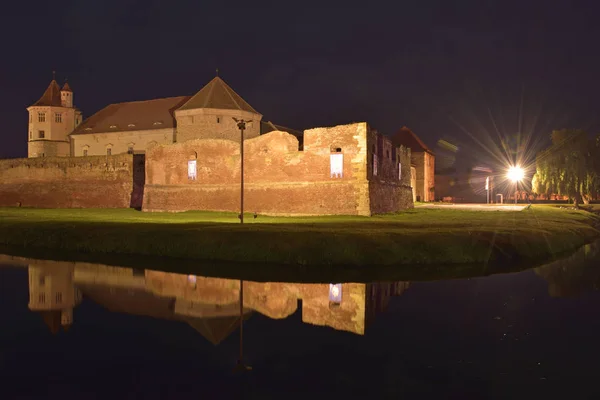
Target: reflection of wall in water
point(211, 305)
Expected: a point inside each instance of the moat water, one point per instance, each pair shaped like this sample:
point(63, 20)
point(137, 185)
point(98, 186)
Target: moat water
point(90, 331)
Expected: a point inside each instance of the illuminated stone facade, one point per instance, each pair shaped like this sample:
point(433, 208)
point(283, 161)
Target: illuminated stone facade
point(345, 169)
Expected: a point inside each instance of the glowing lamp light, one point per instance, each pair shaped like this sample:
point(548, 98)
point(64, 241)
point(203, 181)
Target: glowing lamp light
point(515, 174)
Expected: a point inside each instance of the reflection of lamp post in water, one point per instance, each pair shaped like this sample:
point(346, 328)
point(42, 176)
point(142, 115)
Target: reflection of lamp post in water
point(515, 174)
point(242, 126)
point(240, 362)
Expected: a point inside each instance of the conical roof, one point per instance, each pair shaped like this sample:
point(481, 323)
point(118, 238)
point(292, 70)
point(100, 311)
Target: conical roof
point(217, 94)
point(51, 96)
point(66, 88)
point(215, 330)
point(52, 320)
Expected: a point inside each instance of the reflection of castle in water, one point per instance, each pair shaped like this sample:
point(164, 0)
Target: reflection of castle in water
point(209, 305)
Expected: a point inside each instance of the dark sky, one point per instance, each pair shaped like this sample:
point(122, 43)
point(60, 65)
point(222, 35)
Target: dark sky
point(447, 69)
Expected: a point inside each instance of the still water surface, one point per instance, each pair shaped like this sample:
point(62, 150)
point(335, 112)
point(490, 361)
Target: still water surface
point(89, 331)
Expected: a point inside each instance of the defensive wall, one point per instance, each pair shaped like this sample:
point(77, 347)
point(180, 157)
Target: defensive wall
point(72, 182)
point(280, 179)
point(346, 169)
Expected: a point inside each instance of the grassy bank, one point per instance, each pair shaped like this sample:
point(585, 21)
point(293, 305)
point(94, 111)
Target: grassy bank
point(419, 236)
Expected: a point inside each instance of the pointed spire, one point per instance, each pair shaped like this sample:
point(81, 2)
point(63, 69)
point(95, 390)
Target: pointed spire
point(66, 87)
point(217, 71)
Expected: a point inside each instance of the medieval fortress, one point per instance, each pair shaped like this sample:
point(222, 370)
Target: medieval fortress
point(183, 153)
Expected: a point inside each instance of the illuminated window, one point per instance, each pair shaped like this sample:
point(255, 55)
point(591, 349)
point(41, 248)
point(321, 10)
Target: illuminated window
point(41, 117)
point(131, 125)
point(374, 164)
point(399, 171)
point(113, 126)
point(335, 294)
point(58, 117)
point(336, 165)
point(59, 297)
point(109, 151)
point(85, 152)
point(192, 170)
point(41, 134)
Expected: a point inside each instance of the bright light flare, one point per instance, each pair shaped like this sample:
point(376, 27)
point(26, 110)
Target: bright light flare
point(515, 174)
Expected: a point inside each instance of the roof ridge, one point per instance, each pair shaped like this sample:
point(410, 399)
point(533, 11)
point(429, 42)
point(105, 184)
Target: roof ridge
point(143, 101)
point(211, 89)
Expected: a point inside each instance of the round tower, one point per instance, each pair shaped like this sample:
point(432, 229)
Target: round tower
point(53, 294)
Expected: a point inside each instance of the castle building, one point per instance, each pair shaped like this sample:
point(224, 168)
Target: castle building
point(56, 129)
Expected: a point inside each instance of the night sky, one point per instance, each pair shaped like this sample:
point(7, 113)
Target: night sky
point(452, 70)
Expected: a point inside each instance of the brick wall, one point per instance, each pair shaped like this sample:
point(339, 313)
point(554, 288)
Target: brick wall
point(425, 167)
point(390, 190)
point(69, 182)
point(279, 179)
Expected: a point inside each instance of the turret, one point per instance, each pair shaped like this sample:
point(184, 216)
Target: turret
point(66, 96)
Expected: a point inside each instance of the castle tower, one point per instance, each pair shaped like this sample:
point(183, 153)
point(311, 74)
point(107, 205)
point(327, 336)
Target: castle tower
point(210, 113)
point(66, 96)
point(51, 119)
point(53, 294)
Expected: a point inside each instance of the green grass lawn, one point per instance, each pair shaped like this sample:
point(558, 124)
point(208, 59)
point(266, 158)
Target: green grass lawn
point(413, 237)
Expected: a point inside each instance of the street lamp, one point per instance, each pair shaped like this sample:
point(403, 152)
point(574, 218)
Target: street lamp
point(240, 366)
point(242, 126)
point(515, 174)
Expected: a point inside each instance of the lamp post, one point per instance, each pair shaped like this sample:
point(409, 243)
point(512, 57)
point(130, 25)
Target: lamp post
point(239, 367)
point(515, 174)
point(242, 126)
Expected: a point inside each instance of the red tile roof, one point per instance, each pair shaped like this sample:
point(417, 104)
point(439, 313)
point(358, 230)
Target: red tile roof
point(133, 116)
point(407, 138)
point(66, 88)
point(51, 96)
point(217, 94)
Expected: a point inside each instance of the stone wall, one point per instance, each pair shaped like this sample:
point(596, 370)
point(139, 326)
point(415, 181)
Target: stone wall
point(390, 190)
point(71, 182)
point(48, 148)
point(96, 144)
point(425, 167)
point(278, 178)
point(206, 123)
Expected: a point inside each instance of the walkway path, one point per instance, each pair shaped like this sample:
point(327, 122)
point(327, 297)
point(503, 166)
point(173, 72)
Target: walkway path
point(475, 207)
